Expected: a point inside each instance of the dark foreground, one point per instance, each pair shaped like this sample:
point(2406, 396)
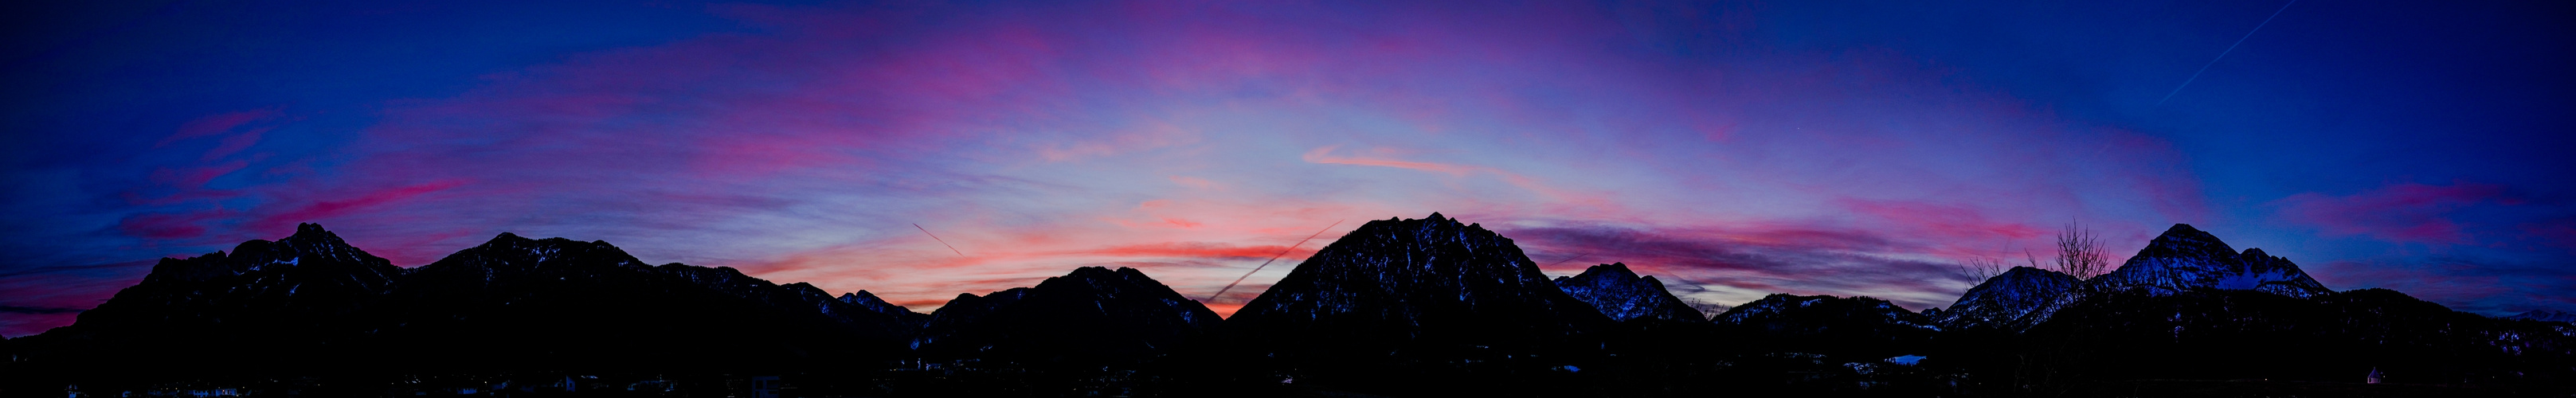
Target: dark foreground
point(950, 380)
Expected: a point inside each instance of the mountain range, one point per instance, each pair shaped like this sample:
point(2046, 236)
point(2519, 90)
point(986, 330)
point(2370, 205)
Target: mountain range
point(1388, 305)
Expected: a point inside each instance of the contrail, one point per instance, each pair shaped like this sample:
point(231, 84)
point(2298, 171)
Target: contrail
point(1266, 263)
point(2223, 54)
point(942, 242)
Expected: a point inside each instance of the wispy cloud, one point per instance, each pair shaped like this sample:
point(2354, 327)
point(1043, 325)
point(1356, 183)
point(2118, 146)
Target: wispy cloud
point(2404, 212)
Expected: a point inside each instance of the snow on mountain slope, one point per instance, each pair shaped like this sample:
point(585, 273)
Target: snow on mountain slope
point(1622, 295)
point(2007, 297)
point(2184, 258)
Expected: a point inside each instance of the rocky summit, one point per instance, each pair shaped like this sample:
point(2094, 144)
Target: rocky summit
point(2184, 258)
point(1623, 296)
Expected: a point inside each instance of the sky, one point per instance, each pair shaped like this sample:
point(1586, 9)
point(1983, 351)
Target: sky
point(1732, 149)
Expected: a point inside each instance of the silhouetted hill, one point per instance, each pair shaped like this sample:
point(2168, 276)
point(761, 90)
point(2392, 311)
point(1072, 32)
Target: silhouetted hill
point(272, 304)
point(1423, 306)
point(2342, 336)
point(1824, 325)
point(312, 303)
point(2189, 307)
point(1623, 296)
point(2185, 259)
point(869, 301)
point(2006, 298)
point(1402, 287)
point(559, 303)
point(1090, 315)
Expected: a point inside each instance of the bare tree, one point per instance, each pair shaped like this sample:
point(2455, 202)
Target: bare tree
point(1981, 268)
point(2079, 252)
point(1706, 309)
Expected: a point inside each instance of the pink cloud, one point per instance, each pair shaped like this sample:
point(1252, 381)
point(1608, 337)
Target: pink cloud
point(327, 209)
point(167, 226)
point(2405, 212)
point(1944, 221)
point(1193, 250)
point(217, 124)
point(2559, 233)
point(192, 178)
point(233, 144)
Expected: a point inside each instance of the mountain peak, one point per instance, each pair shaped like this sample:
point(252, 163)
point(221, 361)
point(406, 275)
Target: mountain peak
point(1419, 283)
point(1090, 313)
point(1614, 268)
point(1622, 295)
point(514, 253)
point(2185, 258)
point(2184, 237)
point(309, 245)
point(1098, 273)
point(310, 229)
point(871, 302)
point(311, 273)
point(505, 238)
point(861, 295)
point(2006, 297)
point(308, 237)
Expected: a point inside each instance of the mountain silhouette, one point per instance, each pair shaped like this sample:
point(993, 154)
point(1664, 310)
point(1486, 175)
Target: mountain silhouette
point(2007, 297)
point(1623, 296)
point(1422, 307)
point(870, 302)
point(1090, 315)
point(312, 303)
point(2188, 299)
point(270, 303)
point(2185, 258)
point(1399, 287)
point(1825, 324)
point(563, 303)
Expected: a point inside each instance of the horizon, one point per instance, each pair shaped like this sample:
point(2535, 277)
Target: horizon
point(927, 306)
point(919, 151)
